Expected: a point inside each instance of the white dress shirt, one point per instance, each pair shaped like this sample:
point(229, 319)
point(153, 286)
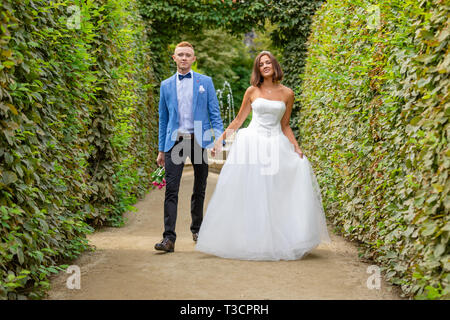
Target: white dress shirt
point(185, 93)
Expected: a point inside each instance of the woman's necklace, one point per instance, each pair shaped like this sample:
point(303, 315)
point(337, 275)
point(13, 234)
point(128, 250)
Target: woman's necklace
point(270, 90)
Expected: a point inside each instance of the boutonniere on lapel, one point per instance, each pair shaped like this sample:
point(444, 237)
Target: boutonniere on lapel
point(201, 89)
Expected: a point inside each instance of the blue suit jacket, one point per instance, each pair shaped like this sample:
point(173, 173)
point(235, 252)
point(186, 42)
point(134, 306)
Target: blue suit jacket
point(207, 119)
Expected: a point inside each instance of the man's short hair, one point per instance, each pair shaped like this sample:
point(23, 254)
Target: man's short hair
point(184, 44)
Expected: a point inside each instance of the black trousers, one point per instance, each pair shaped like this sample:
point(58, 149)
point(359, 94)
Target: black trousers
point(174, 164)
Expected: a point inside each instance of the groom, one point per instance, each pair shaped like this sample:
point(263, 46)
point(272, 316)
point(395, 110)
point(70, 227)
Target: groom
point(188, 112)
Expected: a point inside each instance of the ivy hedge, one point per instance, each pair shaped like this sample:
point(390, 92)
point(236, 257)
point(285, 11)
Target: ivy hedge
point(375, 122)
point(293, 19)
point(78, 122)
point(77, 130)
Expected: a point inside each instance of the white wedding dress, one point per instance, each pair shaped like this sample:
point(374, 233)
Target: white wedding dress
point(267, 203)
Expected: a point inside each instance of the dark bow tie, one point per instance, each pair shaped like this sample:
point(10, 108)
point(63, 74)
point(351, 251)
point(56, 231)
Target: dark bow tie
point(187, 75)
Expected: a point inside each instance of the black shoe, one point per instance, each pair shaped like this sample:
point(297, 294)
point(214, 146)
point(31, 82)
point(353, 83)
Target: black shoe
point(165, 245)
point(195, 236)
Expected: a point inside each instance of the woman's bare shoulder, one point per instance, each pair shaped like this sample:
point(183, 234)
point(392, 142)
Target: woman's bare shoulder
point(251, 89)
point(251, 92)
point(287, 91)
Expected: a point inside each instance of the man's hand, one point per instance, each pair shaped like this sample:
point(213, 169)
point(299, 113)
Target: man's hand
point(160, 159)
point(216, 149)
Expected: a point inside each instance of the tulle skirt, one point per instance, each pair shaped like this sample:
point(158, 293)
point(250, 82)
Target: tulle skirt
point(267, 203)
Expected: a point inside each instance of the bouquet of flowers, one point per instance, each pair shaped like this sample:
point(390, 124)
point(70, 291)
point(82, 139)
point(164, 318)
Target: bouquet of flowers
point(157, 178)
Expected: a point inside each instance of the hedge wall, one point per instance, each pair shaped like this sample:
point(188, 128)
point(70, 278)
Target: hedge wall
point(77, 137)
point(375, 122)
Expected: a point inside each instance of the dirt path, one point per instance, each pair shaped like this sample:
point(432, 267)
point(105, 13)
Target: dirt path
point(125, 265)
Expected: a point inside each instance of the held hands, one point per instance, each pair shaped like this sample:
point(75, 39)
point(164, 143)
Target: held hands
point(217, 148)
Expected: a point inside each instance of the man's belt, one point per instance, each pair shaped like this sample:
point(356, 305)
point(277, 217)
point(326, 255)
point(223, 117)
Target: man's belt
point(185, 135)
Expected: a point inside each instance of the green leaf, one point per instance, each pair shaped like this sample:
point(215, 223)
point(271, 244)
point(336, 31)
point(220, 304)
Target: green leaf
point(438, 187)
point(20, 255)
point(428, 229)
point(8, 64)
point(9, 177)
point(439, 250)
point(415, 120)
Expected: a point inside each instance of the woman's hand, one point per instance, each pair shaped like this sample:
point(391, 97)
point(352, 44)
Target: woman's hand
point(217, 148)
point(297, 150)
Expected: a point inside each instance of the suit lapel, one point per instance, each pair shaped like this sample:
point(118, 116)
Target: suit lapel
point(174, 92)
point(195, 93)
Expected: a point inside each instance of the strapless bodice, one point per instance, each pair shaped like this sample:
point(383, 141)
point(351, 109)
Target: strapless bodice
point(267, 115)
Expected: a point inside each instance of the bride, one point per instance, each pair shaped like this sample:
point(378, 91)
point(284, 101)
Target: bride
point(267, 203)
